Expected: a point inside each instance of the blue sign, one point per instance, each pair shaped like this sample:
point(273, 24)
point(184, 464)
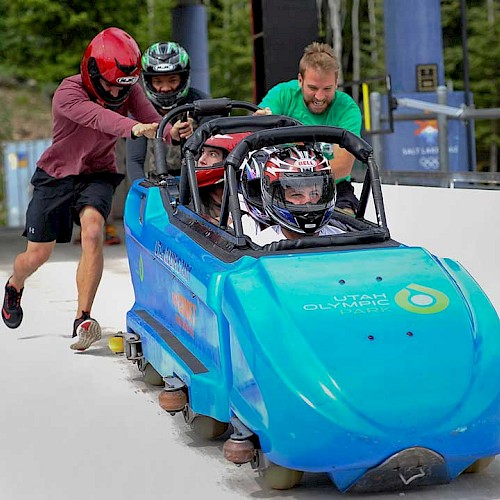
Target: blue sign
point(414, 144)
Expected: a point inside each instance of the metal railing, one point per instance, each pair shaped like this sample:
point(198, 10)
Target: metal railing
point(473, 180)
point(442, 112)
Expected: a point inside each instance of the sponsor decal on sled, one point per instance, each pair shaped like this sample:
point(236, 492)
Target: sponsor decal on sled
point(354, 304)
point(421, 299)
point(173, 261)
point(414, 298)
point(185, 315)
point(141, 268)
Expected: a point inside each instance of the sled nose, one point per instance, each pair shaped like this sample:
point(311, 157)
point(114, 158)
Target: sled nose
point(407, 469)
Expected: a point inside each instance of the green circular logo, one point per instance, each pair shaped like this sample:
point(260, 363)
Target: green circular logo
point(421, 299)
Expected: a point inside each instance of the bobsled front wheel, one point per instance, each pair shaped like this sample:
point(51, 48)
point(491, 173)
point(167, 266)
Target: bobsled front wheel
point(281, 478)
point(479, 465)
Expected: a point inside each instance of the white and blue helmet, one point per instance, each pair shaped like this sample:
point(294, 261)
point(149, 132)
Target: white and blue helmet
point(298, 188)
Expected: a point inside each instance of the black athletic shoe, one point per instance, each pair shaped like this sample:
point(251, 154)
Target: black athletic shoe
point(87, 330)
point(12, 312)
point(78, 321)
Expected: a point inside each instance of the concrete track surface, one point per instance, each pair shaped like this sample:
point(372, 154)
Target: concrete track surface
point(85, 425)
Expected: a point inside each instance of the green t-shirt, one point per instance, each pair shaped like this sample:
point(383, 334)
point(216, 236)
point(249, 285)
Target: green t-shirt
point(286, 99)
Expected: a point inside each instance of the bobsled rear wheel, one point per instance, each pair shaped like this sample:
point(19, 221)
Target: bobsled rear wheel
point(151, 376)
point(281, 478)
point(479, 465)
point(208, 427)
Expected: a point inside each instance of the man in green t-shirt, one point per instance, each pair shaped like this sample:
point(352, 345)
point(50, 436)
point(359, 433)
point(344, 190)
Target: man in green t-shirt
point(313, 99)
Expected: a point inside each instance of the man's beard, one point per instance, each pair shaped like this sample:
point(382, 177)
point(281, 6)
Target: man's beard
point(315, 108)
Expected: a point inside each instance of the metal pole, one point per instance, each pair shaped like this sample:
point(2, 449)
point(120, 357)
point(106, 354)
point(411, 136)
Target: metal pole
point(442, 98)
point(376, 110)
point(465, 56)
point(189, 28)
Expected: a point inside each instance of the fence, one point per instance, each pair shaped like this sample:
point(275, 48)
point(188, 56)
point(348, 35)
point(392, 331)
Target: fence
point(19, 160)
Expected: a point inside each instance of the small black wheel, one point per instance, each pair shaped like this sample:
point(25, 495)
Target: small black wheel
point(281, 478)
point(151, 376)
point(208, 427)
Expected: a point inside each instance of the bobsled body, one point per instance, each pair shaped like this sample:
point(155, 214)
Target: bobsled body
point(337, 360)
point(350, 354)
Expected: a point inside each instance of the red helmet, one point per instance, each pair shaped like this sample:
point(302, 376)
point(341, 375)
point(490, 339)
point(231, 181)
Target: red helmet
point(114, 56)
point(213, 174)
point(227, 142)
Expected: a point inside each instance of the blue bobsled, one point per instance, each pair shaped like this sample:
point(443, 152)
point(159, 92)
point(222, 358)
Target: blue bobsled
point(352, 355)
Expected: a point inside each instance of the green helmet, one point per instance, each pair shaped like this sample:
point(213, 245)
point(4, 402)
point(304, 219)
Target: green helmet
point(166, 58)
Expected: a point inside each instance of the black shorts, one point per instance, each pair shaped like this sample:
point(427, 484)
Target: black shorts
point(56, 203)
point(346, 197)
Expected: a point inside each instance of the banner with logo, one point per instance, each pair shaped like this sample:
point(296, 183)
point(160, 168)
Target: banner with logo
point(414, 144)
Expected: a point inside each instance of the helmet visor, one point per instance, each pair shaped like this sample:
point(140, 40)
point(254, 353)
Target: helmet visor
point(315, 191)
point(114, 94)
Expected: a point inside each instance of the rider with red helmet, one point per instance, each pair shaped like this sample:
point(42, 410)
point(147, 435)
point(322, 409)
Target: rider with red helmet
point(210, 170)
point(77, 174)
point(210, 177)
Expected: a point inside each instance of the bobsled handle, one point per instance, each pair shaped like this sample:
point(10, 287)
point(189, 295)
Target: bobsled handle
point(220, 106)
point(359, 148)
point(234, 124)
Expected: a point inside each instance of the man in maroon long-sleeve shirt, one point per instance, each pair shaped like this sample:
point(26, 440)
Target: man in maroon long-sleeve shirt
point(77, 175)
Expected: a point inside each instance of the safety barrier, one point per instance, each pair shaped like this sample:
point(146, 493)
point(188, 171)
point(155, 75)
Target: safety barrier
point(19, 160)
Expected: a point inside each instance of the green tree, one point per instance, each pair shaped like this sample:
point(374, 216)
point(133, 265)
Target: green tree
point(338, 29)
point(484, 60)
point(153, 22)
point(230, 49)
point(44, 40)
